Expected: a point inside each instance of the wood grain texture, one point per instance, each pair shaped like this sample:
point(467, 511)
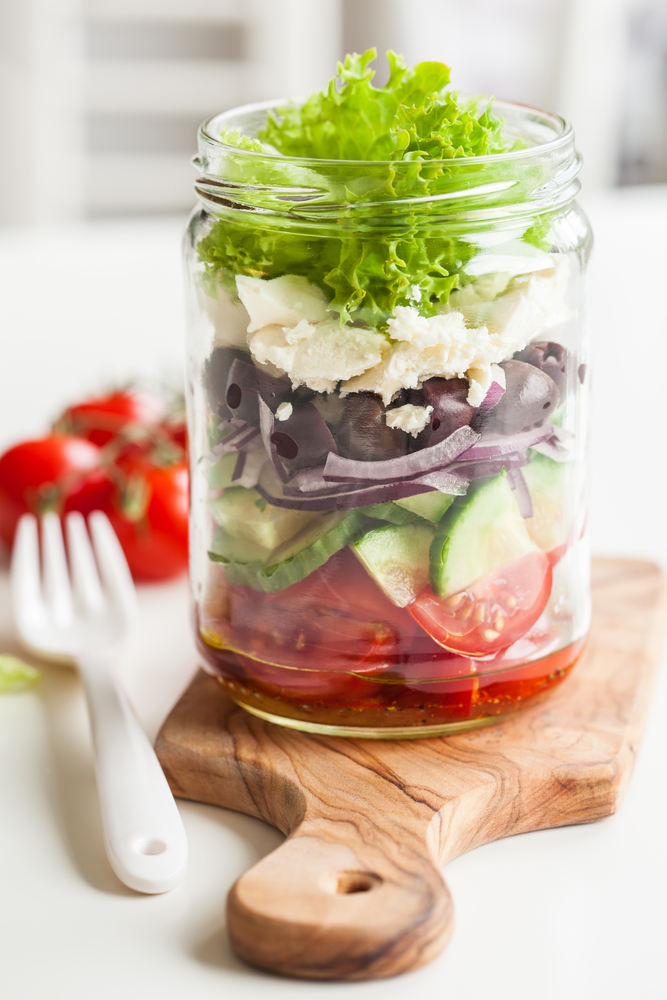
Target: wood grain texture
point(355, 891)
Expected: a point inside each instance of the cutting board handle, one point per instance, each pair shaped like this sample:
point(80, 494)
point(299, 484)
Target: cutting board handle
point(330, 903)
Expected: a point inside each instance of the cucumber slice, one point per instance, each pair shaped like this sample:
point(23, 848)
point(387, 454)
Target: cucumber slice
point(388, 512)
point(546, 481)
point(296, 558)
point(477, 536)
point(226, 548)
point(397, 557)
point(431, 506)
point(219, 476)
point(243, 513)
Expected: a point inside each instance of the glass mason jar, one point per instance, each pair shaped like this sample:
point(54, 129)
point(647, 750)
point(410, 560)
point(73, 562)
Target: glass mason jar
point(388, 526)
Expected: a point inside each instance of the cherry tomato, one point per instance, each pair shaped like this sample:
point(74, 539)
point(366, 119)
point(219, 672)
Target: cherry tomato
point(148, 508)
point(336, 619)
point(491, 614)
point(42, 475)
point(103, 418)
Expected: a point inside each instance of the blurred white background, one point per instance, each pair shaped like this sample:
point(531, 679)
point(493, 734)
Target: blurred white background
point(101, 98)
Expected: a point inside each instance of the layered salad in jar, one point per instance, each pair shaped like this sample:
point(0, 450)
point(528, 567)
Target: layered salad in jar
point(386, 497)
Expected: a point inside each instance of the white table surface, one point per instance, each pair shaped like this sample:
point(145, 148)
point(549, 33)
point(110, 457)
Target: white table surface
point(577, 913)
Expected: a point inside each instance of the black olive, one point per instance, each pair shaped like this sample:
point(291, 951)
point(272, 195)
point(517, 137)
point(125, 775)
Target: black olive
point(246, 383)
point(363, 433)
point(216, 372)
point(550, 357)
point(286, 446)
point(448, 397)
point(303, 441)
point(530, 398)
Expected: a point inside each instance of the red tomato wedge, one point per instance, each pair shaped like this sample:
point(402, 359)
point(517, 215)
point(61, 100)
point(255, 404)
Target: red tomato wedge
point(491, 614)
point(555, 555)
point(323, 685)
point(334, 620)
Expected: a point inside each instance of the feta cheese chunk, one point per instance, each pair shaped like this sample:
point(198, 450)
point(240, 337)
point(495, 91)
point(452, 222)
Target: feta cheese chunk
point(284, 411)
point(485, 323)
point(409, 418)
point(318, 355)
point(465, 342)
point(530, 304)
point(228, 320)
point(426, 346)
point(283, 301)
point(480, 380)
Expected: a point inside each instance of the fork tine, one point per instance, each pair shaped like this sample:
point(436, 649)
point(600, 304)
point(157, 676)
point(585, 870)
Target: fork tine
point(25, 578)
point(85, 578)
point(57, 589)
point(113, 565)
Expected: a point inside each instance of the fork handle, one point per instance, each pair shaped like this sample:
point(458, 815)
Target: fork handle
point(143, 832)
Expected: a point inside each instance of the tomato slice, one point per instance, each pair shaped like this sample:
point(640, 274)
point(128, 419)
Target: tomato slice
point(540, 640)
point(322, 685)
point(334, 620)
point(555, 555)
point(491, 614)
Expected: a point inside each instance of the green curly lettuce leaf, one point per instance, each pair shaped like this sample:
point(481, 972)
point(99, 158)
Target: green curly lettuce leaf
point(233, 137)
point(418, 130)
point(409, 118)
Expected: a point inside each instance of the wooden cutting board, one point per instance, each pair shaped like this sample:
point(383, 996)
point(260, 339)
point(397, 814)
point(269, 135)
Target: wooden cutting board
point(355, 892)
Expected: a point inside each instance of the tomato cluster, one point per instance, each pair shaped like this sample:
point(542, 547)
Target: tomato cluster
point(124, 454)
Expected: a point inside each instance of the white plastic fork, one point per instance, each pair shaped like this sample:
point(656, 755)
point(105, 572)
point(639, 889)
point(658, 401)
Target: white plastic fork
point(85, 621)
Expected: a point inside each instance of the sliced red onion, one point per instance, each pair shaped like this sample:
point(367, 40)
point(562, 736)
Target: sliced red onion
point(239, 439)
point(561, 433)
point(495, 390)
point(494, 445)
point(446, 480)
point(407, 467)
point(553, 449)
point(312, 481)
point(248, 467)
point(232, 423)
point(239, 467)
point(266, 423)
point(274, 492)
point(490, 466)
point(520, 491)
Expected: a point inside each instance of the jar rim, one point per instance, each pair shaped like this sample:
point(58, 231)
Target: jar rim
point(563, 134)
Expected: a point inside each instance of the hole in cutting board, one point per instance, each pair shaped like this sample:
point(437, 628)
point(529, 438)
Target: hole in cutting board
point(349, 882)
